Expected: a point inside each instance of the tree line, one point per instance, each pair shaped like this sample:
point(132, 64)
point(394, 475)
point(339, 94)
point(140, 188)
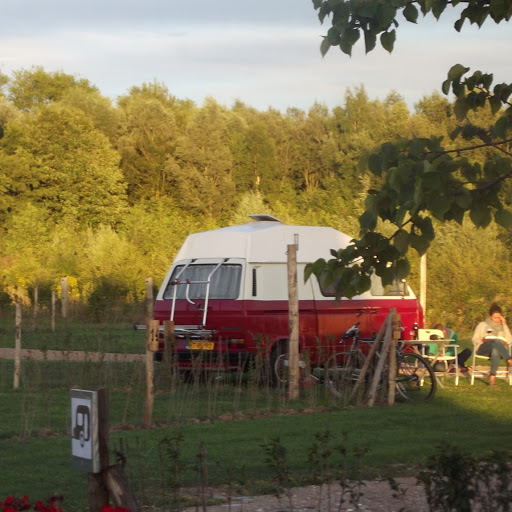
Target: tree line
point(105, 192)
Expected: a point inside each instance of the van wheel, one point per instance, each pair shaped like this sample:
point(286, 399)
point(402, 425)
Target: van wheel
point(281, 369)
point(278, 368)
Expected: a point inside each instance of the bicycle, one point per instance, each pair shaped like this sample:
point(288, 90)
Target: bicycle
point(415, 378)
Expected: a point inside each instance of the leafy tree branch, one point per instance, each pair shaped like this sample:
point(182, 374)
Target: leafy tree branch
point(421, 178)
point(479, 146)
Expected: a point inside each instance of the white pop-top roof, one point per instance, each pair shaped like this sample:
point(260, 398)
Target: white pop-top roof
point(263, 241)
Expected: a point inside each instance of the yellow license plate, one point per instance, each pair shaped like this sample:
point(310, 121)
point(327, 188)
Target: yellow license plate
point(200, 345)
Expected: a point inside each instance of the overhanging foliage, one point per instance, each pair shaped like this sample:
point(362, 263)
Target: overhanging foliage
point(422, 177)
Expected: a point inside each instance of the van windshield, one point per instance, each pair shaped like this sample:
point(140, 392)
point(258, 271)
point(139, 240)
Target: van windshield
point(395, 289)
point(224, 283)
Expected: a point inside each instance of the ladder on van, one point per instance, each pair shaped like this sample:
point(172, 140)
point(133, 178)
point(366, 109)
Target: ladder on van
point(176, 282)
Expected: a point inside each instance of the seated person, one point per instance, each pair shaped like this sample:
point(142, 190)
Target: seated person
point(491, 338)
point(463, 355)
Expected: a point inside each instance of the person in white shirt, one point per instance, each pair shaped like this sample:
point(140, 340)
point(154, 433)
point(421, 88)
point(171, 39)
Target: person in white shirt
point(490, 337)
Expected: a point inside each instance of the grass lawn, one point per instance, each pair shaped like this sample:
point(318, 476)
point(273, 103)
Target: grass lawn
point(234, 421)
point(398, 439)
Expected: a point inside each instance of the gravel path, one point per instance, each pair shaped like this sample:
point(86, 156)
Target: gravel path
point(377, 497)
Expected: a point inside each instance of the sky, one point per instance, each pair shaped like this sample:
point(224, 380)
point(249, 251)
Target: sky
point(265, 53)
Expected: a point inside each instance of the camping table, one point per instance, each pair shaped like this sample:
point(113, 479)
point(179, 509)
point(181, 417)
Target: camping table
point(442, 344)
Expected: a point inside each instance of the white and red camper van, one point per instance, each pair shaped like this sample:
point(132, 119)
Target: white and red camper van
point(227, 294)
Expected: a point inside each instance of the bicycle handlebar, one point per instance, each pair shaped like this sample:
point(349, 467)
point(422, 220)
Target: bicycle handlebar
point(351, 332)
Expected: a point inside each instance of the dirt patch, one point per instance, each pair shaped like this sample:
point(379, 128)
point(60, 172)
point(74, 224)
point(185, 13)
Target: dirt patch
point(70, 355)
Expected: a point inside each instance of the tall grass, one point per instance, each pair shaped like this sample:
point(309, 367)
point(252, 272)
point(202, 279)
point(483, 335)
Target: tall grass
point(396, 441)
point(219, 422)
point(79, 336)
point(79, 331)
point(179, 396)
point(44, 384)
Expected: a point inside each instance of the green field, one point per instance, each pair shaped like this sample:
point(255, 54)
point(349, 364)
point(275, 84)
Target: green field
point(231, 417)
point(75, 336)
point(399, 438)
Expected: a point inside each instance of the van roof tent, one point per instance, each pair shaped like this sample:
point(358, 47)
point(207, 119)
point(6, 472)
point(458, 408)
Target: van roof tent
point(263, 241)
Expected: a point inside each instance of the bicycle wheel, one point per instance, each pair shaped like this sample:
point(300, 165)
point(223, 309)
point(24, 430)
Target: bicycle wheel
point(415, 379)
point(341, 372)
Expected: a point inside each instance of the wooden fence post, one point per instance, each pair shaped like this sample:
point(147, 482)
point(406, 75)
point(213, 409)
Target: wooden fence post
point(104, 482)
point(97, 489)
point(150, 381)
point(369, 359)
point(119, 488)
point(423, 286)
point(64, 296)
point(114, 477)
point(395, 336)
point(380, 364)
point(293, 319)
point(52, 310)
point(35, 307)
point(169, 340)
point(17, 345)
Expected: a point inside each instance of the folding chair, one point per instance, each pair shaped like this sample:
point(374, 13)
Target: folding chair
point(482, 372)
point(440, 350)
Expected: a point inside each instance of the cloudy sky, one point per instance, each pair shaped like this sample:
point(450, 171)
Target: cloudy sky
point(265, 53)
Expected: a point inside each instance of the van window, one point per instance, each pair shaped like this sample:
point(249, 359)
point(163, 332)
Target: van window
point(225, 282)
point(396, 289)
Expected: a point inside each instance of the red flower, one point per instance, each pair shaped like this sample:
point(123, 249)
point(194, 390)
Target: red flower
point(13, 504)
point(110, 508)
